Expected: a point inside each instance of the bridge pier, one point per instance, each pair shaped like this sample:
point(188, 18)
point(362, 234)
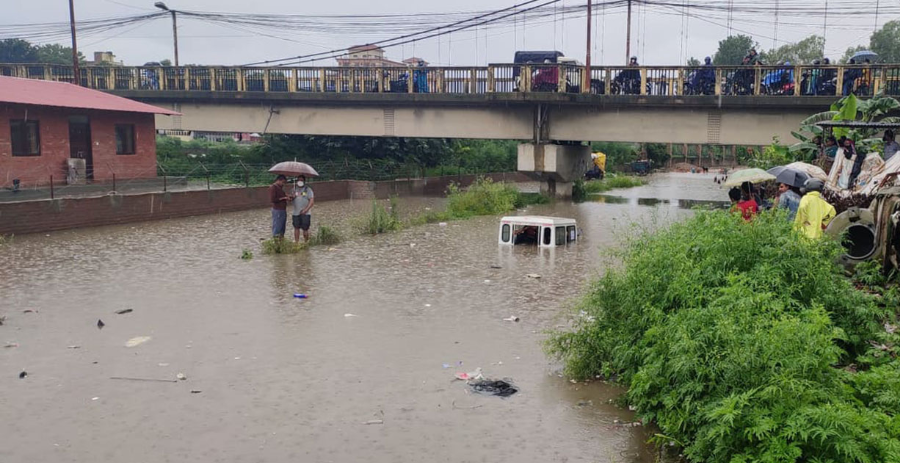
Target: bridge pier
point(556, 166)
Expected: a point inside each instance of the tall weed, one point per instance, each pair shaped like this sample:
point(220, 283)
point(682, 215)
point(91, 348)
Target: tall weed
point(380, 220)
point(727, 335)
point(484, 197)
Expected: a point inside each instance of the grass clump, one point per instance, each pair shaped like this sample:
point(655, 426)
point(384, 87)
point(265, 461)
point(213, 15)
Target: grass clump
point(282, 246)
point(381, 220)
point(246, 254)
point(731, 337)
point(610, 183)
point(486, 197)
point(6, 239)
point(325, 235)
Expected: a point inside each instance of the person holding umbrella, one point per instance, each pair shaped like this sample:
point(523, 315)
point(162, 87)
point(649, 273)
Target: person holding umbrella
point(303, 203)
point(279, 202)
point(280, 199)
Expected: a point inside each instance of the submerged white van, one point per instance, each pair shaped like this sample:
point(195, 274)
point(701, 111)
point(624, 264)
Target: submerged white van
point(537, 230)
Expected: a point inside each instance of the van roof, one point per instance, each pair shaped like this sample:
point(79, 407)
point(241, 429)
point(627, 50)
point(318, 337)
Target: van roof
point(536, 220)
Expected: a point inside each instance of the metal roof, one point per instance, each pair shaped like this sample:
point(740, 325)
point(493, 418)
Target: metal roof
point(64, 95)
point(536, 220)
point(859, 124)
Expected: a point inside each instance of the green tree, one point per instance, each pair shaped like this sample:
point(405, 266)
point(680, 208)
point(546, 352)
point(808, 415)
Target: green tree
point(694, 62)
point(17, 51)
point(802, 52)
point(166, 62)
point(54, 53)
point(732, 49)
point(886, 42)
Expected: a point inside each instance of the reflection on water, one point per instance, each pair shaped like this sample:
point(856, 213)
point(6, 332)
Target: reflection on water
point(682, 203)
point(285, 379)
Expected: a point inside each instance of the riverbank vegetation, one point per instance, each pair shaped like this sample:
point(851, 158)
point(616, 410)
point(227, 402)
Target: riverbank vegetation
point(483, 197)
point(583, 188)
point(743, 343)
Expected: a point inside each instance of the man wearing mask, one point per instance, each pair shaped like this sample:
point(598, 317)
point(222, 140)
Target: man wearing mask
point(303, 203)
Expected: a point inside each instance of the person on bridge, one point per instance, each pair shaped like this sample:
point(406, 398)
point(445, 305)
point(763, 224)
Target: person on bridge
point(754, 58)
point(279, 202)
point(814, 213)
point(303, 203)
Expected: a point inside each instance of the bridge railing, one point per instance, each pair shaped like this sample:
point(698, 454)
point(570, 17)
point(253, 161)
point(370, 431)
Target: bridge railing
point(769, 81)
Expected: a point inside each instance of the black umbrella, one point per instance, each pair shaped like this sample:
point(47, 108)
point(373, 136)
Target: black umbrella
point(788, 176)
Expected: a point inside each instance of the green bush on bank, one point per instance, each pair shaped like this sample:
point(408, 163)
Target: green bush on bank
point(730, 336)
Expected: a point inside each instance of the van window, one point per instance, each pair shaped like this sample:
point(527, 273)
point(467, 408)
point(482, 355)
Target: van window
point(560, 236)
point(571, 232)
point(547, 236)
point(504, 234)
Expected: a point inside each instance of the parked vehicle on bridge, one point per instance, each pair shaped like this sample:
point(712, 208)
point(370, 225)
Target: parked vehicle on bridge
point(545, 73)
point(537, 230)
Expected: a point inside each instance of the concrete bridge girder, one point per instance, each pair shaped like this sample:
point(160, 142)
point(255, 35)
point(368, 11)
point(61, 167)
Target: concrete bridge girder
point(534, 122)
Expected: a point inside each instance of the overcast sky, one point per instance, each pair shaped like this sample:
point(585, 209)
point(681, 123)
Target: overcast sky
point(657, 38)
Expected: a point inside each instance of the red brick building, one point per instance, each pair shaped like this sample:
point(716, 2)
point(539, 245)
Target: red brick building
point(45, 124)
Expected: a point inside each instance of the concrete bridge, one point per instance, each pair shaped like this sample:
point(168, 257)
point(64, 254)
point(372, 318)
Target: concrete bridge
point(544, 104)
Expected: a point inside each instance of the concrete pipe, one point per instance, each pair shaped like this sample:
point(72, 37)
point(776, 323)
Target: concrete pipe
point(856, 229)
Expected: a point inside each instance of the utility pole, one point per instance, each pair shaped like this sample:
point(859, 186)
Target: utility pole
point(162, 6)
point(77, 73)
point(628, 35)
point(586, 85)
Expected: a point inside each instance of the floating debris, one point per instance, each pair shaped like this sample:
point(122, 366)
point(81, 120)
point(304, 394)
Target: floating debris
point(512, 318)
point(137, 341)
point(124, 311)
point(533, 275)
point(181, 376)
point(23, 374)
point(100, 324)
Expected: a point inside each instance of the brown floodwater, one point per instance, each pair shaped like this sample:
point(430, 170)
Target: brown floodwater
point(282, 379)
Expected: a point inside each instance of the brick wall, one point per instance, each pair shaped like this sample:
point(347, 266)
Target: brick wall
point(55, 151)
point(58, 214)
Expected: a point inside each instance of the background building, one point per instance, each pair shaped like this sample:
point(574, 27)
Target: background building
point(366, 56)
point(73, 134)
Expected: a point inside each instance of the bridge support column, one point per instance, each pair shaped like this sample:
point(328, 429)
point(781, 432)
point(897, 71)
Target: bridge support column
point(556, 166)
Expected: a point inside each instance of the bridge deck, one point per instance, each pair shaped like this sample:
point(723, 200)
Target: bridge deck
point(665, 82)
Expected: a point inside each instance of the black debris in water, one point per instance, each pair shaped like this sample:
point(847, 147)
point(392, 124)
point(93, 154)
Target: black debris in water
point(22, 375)
point(124, 311)
point(497, 388)
point(100, 324)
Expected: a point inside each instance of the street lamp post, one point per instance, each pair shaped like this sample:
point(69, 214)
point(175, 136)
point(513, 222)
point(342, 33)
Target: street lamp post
point(163, 6)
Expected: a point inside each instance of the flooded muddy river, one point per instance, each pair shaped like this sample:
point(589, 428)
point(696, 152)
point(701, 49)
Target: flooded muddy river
point(281, 379)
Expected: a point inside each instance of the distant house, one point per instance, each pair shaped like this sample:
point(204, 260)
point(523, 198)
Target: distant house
point(366, 56)
point(414, 61)
point(73, 134)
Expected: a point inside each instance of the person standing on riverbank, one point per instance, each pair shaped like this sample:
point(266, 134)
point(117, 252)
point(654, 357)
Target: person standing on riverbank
point(814, 213)
point(303, 203)
point(788, 199)
point(279, 202)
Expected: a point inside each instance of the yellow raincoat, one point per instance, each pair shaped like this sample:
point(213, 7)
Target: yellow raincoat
point(813, 214)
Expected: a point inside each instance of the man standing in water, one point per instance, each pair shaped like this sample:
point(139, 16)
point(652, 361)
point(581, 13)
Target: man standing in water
point(279, 206)
point(303, 202)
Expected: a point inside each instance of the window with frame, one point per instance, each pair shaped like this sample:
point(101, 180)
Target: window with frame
point(125, 139)
point(25, 137)
point(504, 234)
point(547, 232)
point(560, 236)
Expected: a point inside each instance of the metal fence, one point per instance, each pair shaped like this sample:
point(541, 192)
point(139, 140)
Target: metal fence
point(769, 81)
point(41, 182)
